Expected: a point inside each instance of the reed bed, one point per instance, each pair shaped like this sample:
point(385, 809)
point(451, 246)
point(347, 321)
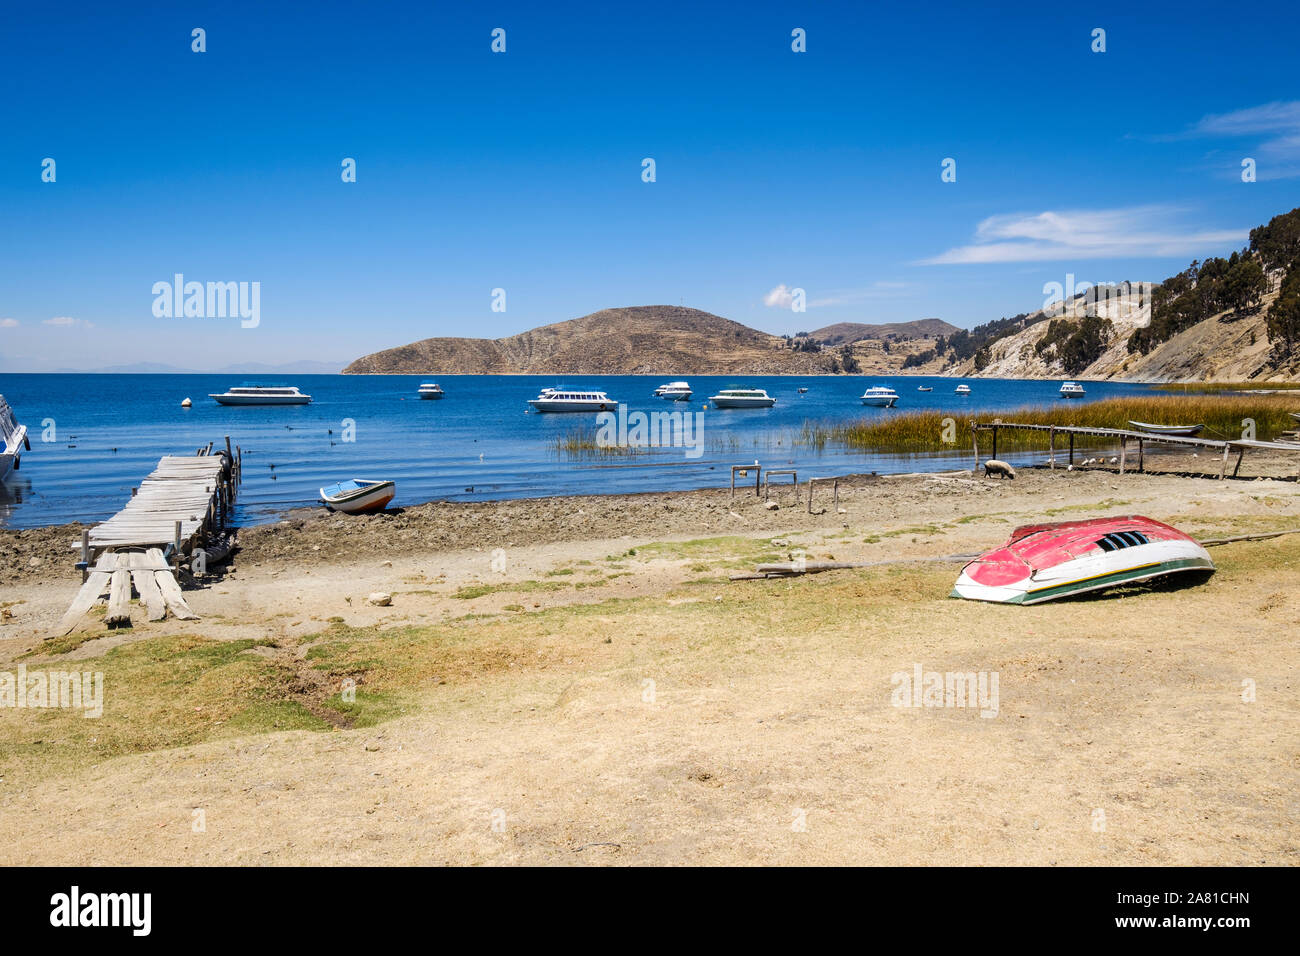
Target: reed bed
point(581, 443)
point(930, 431)
point(1211, 387)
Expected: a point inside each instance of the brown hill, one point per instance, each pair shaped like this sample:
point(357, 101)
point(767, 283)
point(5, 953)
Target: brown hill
point(848, 332)
point(650, 339)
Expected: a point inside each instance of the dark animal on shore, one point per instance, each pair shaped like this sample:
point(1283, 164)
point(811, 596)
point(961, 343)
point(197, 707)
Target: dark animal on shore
point(1000, 468)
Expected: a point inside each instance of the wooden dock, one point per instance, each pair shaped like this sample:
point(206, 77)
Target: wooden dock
point(1124, 437)
point(180, 511)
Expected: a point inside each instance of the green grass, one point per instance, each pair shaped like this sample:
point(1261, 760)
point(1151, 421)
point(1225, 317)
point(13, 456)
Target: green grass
point(925, 431)
point(471, 591)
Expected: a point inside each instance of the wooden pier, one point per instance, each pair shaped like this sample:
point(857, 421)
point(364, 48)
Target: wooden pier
point(180, 511)
point(1124, 437)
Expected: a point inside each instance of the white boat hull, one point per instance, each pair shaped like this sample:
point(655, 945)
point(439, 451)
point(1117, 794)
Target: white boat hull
point(1091, 572)
point(1175, 431)
point(881, 402)
point(743, 402)
point(261, 399)
point(558, 405)
point(13, 438)
point(431, 395)
point(372, 498)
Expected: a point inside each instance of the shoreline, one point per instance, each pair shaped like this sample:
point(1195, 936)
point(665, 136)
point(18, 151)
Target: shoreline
point(30, 553)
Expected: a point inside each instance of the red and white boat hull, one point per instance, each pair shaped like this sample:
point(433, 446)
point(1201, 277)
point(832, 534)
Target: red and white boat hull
point(1045, 562)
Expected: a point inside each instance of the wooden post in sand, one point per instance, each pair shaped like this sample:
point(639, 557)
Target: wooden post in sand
point(1072, 448)
point(1123, 453)
point(975, 442)
point(1051, 447)
point(1223, 469)
point(1141, 457)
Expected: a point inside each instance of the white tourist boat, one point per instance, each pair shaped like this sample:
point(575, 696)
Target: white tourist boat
point(262, 395)
point(674, 391)
point(925, 388)
point(431, 390)
point(1047, 561)
point(742, 398)
point(1071, 390)
point(962, 389)
point(358, 495)
point(881, 396)
point(13, 439)
point(572, 400)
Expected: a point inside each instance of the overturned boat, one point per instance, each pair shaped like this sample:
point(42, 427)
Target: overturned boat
point(358, 496)
point(1042, 562)
point(1174, 431)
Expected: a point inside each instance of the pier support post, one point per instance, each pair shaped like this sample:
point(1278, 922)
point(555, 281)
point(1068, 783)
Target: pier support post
point(1142, 465)
point(85, 554)
point(1123, 454)
point(1223, 469)
point(1051, 448)
point(176, 544)
point(1072, 448)
point(975, 444)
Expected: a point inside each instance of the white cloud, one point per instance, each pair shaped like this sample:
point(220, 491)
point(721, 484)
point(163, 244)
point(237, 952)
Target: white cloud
point(68, 322)
point(1269, 118)
point(779, 298)
point(1275, 127)
point(9, 323)
point(1133, 232)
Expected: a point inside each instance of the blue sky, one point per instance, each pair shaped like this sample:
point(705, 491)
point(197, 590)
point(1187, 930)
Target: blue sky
point(522, 171)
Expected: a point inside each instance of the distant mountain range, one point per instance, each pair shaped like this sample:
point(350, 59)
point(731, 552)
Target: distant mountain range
point(647, 339)
point(305, 367)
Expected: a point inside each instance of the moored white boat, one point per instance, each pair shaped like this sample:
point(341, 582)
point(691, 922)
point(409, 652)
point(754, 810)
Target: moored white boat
point(1047, 561)
point(962, 389)
point(431, 390)
point(925, 388)
point(262, 395)
point(13, 439)
point(1174, 431)
point(674, 391)
point(358, 495)
point(1071, 390)
point(742, 398)
point(572, 400)
point(881, 396)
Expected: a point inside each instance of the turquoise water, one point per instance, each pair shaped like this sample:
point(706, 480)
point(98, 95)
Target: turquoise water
point(95, 436)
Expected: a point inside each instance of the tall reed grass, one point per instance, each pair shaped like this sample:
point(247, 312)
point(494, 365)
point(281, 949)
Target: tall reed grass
point(927, 431)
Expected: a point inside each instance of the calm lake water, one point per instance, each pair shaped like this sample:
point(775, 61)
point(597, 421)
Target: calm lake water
point(94, 437)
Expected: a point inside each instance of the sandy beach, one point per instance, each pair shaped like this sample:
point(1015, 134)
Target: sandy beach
point(577, 680)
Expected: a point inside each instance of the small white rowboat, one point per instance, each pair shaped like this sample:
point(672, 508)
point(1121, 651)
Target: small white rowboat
point(1175, 431)
point(358, 496)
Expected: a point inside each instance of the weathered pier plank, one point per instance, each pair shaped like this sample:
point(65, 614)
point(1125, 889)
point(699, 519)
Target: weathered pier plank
point(184, 504)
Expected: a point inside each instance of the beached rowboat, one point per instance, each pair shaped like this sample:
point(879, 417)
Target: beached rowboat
point(1175, 431)
point(358, 495)
point(1047, 561)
